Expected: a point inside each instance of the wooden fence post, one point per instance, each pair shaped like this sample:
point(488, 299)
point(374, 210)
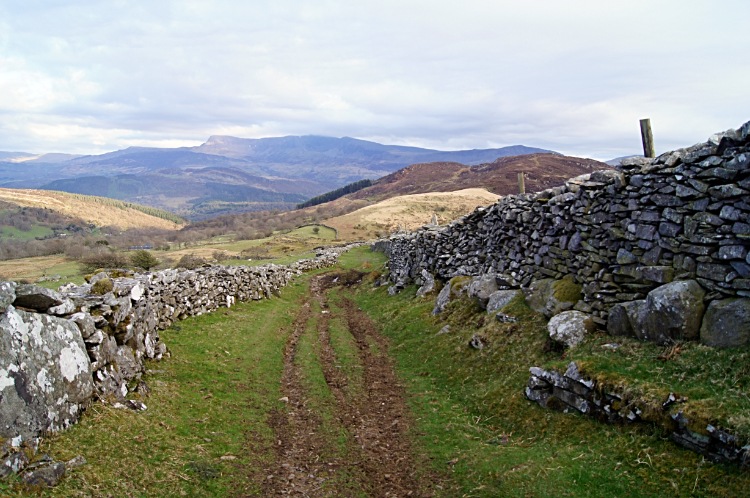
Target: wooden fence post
point(521, 186)
point(648, 138)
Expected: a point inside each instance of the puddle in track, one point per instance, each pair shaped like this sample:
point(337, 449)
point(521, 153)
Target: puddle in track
point(379, 461)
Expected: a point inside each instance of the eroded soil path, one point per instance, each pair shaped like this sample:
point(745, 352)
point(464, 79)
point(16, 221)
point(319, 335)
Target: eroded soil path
point(368, 412)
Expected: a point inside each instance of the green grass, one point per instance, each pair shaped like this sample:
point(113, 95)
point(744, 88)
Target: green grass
point(347, 358)
point(475, 424)
point(69, 272)
point(715, 382)
point(33, 233)
point(361, 259)
point(220, 385)
point(324, 233)
point(284, 260)
point(321, 401)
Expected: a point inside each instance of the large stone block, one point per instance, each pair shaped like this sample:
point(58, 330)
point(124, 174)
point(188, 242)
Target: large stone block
point(482, 287)
point(37, 298)
point(45, 373)
point(618, 322)
point(669, 313)
point(443, 298)
point(551, 297)
point(538, 293)
point(726, 323)
point(570, 327)
point(456, 287)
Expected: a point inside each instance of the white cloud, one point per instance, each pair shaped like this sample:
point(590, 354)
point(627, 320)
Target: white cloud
point(575, 76)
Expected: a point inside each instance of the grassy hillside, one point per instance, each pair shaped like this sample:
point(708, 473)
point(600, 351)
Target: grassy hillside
point(98, 211)
point(409, 212)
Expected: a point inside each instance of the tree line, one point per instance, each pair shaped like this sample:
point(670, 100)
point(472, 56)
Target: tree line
point(335, 194)
point(159, 213)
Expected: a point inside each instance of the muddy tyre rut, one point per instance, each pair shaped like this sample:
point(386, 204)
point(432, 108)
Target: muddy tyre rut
point(370, 411)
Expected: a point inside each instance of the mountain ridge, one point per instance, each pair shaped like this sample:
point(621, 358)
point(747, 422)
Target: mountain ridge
point(253, 173)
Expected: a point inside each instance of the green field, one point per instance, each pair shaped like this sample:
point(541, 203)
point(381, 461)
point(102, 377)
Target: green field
point(33, 233)
point(308, 232)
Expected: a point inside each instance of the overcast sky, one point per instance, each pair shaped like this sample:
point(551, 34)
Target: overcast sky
point(84, 76)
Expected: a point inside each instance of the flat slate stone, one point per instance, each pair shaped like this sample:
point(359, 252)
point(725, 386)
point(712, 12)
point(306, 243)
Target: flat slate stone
point(37, 298)
point(47, 477)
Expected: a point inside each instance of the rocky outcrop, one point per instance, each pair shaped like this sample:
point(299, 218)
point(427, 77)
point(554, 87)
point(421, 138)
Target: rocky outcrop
point(618, 235)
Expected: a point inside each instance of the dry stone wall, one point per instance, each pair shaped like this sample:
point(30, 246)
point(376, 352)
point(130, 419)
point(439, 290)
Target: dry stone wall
point(620, 234)
point(572, 391)
point(60, 350)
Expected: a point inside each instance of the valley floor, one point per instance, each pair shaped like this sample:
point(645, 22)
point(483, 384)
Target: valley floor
point(337, 389)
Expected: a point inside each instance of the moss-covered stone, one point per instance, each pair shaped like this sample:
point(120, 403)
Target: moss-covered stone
point(102, 286)
point(459, 285)
point(566, 290)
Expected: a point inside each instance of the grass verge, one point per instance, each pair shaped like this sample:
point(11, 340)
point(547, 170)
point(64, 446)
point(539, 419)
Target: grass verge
point(476, 425)
point(205, 432)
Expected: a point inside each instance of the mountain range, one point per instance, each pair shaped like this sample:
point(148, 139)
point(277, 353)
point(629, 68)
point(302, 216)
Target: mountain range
point(228, 174)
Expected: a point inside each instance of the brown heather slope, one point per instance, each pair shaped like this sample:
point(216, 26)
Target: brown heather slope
point(499, 177)
point(90, 211)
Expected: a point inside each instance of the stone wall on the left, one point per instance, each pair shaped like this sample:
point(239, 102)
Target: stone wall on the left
point(60, 350)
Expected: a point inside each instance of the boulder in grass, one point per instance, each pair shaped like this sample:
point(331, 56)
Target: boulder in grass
point(619, 322)
point(13, 463)
point(47, 476)
point(551, 297)
point(726, 323)
point(442, 300)
point(671, 312)
point(570, 327)
point(454, 288)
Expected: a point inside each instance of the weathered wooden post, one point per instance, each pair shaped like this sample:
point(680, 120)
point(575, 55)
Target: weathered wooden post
point(648, 138)
point(521, 186)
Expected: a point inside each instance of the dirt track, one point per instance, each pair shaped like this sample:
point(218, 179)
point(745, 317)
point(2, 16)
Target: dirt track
point(378, 459)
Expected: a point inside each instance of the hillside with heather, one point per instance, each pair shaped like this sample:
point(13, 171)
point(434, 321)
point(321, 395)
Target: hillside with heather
point(499, 176)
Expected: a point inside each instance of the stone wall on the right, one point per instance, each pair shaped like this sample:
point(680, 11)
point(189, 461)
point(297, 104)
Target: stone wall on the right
point(622, 235)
